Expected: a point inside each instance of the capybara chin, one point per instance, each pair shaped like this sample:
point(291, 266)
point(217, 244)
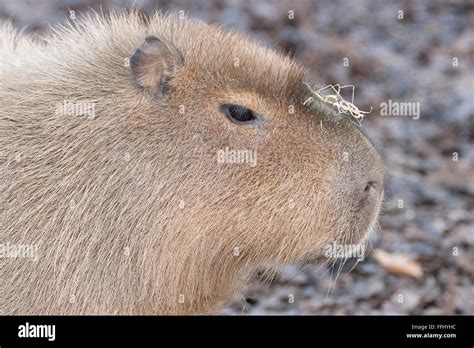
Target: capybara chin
point(150, 166)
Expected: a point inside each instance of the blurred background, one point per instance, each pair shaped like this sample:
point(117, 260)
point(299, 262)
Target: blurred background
point(421, 52)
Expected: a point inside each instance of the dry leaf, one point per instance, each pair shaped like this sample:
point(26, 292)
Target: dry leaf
point(398, 264)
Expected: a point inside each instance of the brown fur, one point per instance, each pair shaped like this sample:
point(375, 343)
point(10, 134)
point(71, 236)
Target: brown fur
point(130, 210)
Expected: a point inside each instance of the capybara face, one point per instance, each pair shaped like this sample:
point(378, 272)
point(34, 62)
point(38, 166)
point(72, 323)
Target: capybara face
point(155, 164)
point(263, 173)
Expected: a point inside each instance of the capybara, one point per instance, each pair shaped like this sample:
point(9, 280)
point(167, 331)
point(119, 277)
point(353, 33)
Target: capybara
point(151, 165)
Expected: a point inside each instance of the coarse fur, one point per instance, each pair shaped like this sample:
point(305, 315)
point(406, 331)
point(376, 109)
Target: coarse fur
point(129, 208)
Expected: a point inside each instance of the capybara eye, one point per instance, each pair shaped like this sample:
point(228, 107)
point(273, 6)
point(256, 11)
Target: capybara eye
point(238, 114)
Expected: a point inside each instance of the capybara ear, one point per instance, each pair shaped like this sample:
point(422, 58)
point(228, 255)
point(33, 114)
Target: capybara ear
point(153, 65)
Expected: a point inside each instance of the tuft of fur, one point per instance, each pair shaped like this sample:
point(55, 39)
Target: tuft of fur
point(129, 209)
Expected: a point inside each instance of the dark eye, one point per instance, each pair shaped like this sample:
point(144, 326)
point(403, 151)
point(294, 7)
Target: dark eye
point(238, 114)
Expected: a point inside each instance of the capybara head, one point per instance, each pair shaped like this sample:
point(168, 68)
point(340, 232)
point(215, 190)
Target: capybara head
point(197, 157)
point(264, 173)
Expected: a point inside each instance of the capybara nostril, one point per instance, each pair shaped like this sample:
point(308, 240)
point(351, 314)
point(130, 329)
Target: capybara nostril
point(371, 188)
point(365, 194)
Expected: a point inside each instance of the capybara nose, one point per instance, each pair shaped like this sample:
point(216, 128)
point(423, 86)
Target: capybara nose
point(370, 191)
point(371, 188)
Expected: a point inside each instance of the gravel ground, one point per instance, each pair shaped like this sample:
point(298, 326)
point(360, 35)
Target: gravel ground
point(425, 58)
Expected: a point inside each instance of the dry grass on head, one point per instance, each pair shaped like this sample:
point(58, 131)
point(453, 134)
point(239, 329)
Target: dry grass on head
point(331, 94)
